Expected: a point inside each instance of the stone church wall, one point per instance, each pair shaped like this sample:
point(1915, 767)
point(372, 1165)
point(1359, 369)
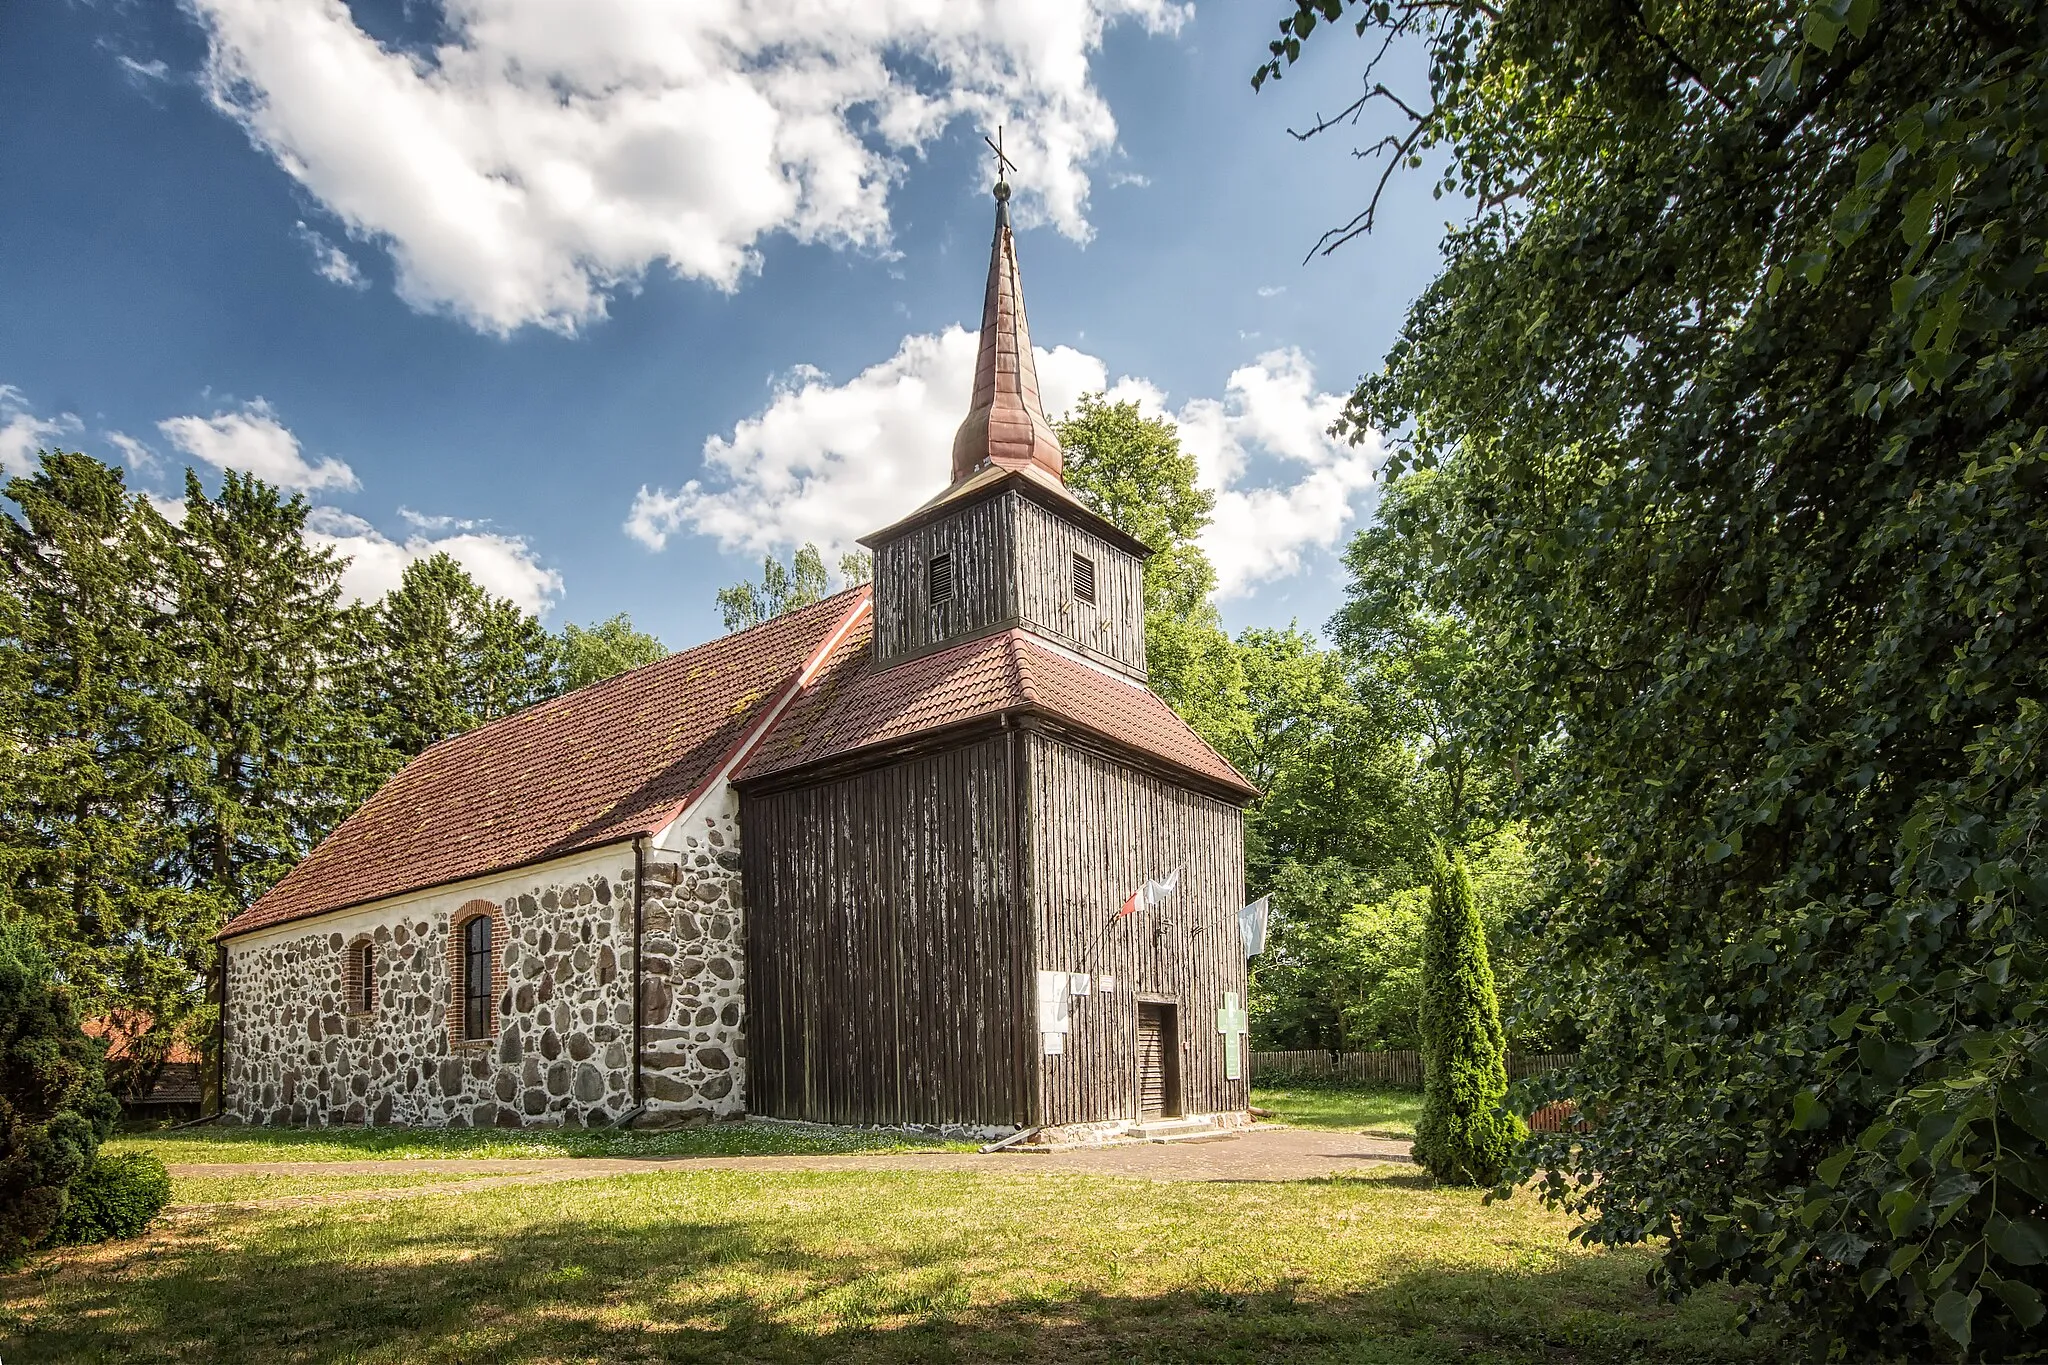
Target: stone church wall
point(693, 988)
point(301, 1051)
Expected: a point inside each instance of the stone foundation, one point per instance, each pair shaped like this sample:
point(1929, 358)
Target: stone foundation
point(693, 1039)
point(1123, 1130)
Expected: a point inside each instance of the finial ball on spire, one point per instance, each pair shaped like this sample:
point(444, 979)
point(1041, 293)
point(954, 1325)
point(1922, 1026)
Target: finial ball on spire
point(1003, 163)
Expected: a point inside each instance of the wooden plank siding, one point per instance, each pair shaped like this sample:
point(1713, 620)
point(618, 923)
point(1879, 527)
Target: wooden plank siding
point(1112, 629)
point(981, 537)
point(1098, 828)
point(888, 950)
point(1012, 566)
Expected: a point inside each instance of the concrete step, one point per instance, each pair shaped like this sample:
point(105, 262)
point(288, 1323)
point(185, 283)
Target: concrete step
point(1176, 1130)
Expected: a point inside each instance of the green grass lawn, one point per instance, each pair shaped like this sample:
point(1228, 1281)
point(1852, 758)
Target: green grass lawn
point(868, 1266)
point(1383, 1110)
point(213, 1145)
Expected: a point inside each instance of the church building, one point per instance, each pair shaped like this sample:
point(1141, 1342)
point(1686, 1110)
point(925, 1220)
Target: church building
point(928, 852)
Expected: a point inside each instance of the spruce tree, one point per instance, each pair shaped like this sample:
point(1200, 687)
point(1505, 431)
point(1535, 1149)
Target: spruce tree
point(271, 765)
point(92, 729)
point(446, 656)
point(1464, 1136)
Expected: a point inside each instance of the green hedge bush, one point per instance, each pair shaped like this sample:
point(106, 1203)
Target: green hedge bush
point(54, 1105)
point(119, 1197)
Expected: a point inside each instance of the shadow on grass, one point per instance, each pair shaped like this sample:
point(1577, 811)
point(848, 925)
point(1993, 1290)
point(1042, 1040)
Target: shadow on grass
point(212, 1144)
point(352, 1288)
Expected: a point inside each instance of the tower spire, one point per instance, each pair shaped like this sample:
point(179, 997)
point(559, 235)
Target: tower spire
point(1005, 424)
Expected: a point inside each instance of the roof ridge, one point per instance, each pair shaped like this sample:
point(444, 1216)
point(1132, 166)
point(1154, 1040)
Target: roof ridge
point(618, 681)
point(787, 691)
point(1027, 682)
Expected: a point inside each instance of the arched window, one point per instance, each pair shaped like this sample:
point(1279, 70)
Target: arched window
point(359, 976)
point(476, 978)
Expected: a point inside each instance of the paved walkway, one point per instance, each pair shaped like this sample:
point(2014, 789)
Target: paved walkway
point(1263, 1153)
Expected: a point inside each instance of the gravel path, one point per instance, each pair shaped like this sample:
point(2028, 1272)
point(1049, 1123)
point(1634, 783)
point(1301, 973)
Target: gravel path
point(1263, 1153)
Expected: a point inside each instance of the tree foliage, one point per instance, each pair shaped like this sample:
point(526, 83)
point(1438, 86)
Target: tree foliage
point(266, 765)
point(1733, 382)
point(54, 1105)
point(99, 734)
point(1343, 967)
point(784, 588)
point(1131, 469)
point(1419, 665)
point(189, 707)
point(443, 656)
point(594, 653)
point(1463, 1136)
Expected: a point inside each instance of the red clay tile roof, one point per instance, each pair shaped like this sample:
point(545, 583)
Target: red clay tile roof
point(1005, 422)
point(850, 705)
point(121, 1027)
point(598, 766)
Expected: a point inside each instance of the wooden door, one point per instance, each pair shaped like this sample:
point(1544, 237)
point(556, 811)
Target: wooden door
point(1158, 1053)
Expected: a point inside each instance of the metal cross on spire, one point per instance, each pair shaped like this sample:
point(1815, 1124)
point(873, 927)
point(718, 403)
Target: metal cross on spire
point(1002, 162)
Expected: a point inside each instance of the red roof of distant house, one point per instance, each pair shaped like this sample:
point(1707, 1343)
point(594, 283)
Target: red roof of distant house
point(121, 1028)
point(851, 706)
point(597, 766)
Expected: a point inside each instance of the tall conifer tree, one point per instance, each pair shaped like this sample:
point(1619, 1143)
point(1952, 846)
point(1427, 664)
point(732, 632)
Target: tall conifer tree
point(92, 730)
point(447, 656)
point(261, 636)
point(1463, 1136)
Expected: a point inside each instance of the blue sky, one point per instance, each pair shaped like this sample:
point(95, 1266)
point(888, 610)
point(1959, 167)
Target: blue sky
point(609, 298)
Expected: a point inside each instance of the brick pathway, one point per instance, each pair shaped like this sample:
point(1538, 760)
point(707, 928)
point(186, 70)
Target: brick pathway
point(1261, 1154)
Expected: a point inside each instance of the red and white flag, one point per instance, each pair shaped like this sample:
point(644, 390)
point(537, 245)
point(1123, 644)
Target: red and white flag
point(1152, 894)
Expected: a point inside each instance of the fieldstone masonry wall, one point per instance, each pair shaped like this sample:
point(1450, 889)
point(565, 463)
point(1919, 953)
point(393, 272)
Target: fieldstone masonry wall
point(693, 985)
point(562, 1049)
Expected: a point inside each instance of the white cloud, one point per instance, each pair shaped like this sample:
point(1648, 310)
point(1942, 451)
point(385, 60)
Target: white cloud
point(139, 456)
point(1269, 291)
point(22, 433)
point(545, 154)
point(170, 509)
point(330, 262)
point(827, 462)
point(1272, 408)
point(253, 441)
point(423, 521)
point(504, 565)
point(145, 71)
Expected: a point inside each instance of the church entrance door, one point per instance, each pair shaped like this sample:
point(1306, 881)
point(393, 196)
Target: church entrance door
point(1158, 1060)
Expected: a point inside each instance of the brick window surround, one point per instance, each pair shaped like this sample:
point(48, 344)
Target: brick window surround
point(458, 924)
point(352, 974)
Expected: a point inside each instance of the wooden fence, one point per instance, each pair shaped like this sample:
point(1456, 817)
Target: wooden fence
point(1389, 1068)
